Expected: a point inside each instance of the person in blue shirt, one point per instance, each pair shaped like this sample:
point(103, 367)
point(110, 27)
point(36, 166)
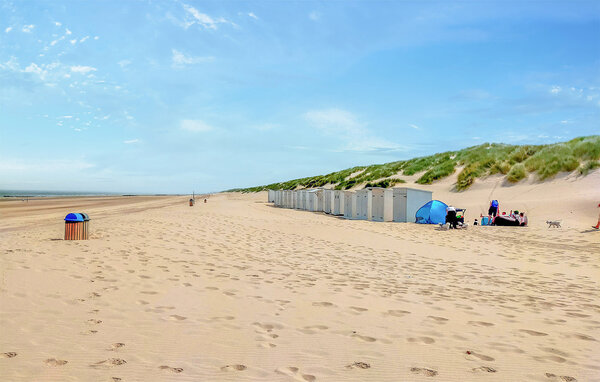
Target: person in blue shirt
point(493, 211)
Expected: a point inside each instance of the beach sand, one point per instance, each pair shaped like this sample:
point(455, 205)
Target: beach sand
point(236, 289)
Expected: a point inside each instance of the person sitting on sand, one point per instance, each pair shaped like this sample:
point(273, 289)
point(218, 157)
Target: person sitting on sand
point(597, 226)
point(493, 210)
point(522, 219)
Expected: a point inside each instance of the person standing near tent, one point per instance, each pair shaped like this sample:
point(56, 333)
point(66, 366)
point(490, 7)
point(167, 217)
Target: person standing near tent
point(451, 216)
point(493, 210)
point(597, 226)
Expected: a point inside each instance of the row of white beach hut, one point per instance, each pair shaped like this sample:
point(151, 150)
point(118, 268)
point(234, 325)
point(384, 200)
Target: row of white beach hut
point(398, 204)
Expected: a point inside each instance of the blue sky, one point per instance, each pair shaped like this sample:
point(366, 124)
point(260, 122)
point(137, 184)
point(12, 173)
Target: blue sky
point(175, 96)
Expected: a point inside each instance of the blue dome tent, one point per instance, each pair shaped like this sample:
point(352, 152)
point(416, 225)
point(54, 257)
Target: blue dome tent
point(433, 212)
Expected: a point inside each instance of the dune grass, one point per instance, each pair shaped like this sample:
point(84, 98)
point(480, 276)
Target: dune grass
point(515, 162)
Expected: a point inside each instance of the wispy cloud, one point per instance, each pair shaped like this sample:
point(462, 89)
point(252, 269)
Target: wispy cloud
point(344, 127)
point(555, 89)
point(82, 69)
point(8, 29)
point(251, 14)
point(130, 141)
point(194, 16)
point(195, 126)
point(314, 15)
point(179, 59)
point(414, 127)
point(28, 28)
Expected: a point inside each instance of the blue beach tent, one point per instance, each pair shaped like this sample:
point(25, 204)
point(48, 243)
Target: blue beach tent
point(433, 212)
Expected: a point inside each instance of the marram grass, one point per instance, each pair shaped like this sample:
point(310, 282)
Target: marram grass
point(513, 161)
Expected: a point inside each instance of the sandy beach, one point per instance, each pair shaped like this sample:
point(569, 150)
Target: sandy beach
point(238, 290)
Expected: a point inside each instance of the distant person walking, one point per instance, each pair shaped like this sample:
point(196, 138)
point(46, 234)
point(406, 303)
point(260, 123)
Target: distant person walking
point(597, 226)
point(493, 210)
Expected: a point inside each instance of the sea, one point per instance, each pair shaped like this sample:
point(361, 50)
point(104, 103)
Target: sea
point(51, 194)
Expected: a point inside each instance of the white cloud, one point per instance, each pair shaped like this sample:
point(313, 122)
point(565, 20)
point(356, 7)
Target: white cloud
point(193, 16)
point(67, 31)
point(414, 127)
point(74, 41)
point(57, 23)
point(180, 59)
point(96, 37)
point(314, 15)
point(8, 29)
point(28, 28)
point(251, 14)
point(130, 141)
point(555, 89)
point(83, 39)
point(82, 69)
point(344, 127)
point(196, 126)
point(33, 68)
point(124, 63)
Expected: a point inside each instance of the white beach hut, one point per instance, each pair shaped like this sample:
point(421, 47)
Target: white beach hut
point(407, 202)
point(382, 205)
point(319, 195)
point(338, 203)
point(363, 204)
point(350, 204)
point(271, 196)
point(327, 201)
point(313, 200)
point(303, 199)
point(297, 196)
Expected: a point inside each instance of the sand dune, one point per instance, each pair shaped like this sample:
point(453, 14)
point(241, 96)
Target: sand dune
point(238, 290)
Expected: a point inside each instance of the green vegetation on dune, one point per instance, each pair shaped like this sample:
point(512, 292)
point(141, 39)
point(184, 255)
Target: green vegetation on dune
point(516, 162)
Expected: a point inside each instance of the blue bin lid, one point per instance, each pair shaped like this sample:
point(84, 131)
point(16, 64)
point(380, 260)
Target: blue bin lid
point(84, 216)
point(73, 218)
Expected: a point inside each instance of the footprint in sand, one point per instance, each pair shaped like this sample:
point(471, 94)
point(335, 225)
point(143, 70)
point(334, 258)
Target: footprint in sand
point(364, 338)
point(322, 303)
point(294, 372)
point(425, 340)
point(10, 354)
point(439, 320)
point(116, 345)
point(423, 371)
point(480, 323)
point(358, 365)
point(234, 368)
point(358, 309)
point(93, 321)
point(107, 363)
point(533, 332)
point(484, 369)
point(171, 369)
point(564, 378)
point(55, 362)
point(176, 317)
point(397, 313)
point(471, 354)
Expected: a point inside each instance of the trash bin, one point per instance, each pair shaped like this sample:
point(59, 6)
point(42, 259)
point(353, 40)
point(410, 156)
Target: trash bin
point(74, 226)
point(86, 226)
point(191, 202)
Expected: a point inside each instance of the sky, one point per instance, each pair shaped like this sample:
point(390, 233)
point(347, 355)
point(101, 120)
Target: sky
point(181, 96)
